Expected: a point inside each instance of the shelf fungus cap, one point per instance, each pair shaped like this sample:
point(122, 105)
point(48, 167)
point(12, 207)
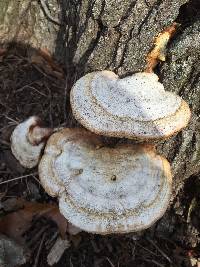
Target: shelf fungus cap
point(135, 107)
point(28, 140)
point(101, 189)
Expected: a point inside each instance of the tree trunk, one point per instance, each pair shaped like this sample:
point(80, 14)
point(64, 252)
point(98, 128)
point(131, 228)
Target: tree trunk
point(88, 35)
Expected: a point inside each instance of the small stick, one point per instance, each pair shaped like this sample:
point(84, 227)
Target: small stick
point(110, 262)
point(36, 180)
point(37, 236)
point(8, 118)
point(161, 252)
point(17, 178)
point(155, 262)
point(30, 87)
point(148, 250)
point(39, 250)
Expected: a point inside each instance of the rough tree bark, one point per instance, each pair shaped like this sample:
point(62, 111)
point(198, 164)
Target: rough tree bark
point(87, 35)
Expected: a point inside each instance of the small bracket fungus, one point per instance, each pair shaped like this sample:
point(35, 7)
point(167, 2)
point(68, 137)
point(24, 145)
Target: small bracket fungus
point(105, 190)
point(136, 107)
point(28, 140)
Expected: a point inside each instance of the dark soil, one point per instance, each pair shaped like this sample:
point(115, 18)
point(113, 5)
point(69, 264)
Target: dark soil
point(32, 84)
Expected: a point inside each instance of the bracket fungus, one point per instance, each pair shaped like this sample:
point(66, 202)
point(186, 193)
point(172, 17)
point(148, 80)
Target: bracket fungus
point(135, 107)
point(28, 140)
point(101, 189)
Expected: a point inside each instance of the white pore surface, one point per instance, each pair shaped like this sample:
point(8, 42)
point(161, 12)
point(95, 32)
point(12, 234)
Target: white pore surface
point(136, 106)
point(105, 190)
point(27, 154)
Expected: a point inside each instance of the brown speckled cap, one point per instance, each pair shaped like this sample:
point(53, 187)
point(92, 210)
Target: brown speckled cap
point(105, 190)
point(135, 107)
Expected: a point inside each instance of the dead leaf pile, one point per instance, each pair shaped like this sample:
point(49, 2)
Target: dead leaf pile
point(16, 223)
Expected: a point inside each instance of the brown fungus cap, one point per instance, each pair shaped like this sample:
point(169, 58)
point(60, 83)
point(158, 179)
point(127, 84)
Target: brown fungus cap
point(135, 107)
point(101, 189)
point(28, 140)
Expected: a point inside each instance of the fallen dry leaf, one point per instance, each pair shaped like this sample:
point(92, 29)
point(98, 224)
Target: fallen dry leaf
point(15, 224)
point(46, 62)
point(47, 56)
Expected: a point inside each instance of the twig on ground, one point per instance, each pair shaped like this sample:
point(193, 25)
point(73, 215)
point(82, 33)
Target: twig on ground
point(155, 262)
point(11, 119)
point(161, 252)
point(112, 265)
point(36, 179)
point(151, 252)
point(37, 236)
point(39, 251)
point(30, 87)
point(48, 243)
point(17, 178)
